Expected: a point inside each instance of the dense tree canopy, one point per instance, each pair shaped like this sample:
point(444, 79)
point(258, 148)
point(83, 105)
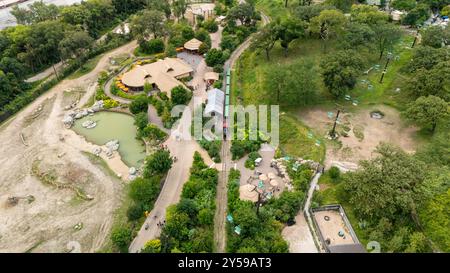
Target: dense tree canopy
point(390, 181)
point(340, 71)
point(428, 111)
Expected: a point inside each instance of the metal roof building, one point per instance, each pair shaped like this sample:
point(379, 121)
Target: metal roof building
point(214, 106)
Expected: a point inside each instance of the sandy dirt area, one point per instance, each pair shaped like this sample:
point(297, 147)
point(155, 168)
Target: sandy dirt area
point(364, 133)
point(299, 236)
point(48, 164)
point(330, 228)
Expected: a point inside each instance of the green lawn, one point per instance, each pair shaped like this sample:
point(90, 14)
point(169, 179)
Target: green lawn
point(385, 93)
point(297, 140)
point(273, 8)
point(85, 68)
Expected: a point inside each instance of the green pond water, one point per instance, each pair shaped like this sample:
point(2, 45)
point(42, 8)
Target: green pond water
point(111, 125)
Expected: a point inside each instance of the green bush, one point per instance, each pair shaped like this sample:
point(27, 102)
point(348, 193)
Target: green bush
point(180, 96)
point(139, 104)
point(135, 212)
point(239, 148)
point(158, 163)
point(335, 173)
point(141, 120)
point(210, 25)
point(213, 148)
point(153, 46)
point(143, 191)
point(121, 238)
point(250, 162)
point(152, 131)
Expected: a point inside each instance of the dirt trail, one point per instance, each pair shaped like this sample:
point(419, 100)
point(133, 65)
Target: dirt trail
point(47, 223)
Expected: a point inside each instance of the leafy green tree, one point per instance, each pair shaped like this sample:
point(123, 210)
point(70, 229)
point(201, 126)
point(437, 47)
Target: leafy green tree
point(435, 220)
point(436, 5)
point(417, 243)
point(214, 57)
point(293, 84)
point(152, 246)
point(121, 238)
point(404, 4)
point(141, 120)
point(99, 14)
point(306, 13)
point(334, 173)
point(153, 46)
point(35, 13)
point(203, 35)
point(357, 35)
point(328, 24)
point(75, 44)
point(436, 37)
point(180, 95)
point(126, 7)
point(389, 182)
point(343, 5)
point(205, 217)
point(152, 132)
point(287, 205)
point(161, 5)
point(425, 57)
point(139, 104)
point(435, 81)
point(247, 219)
point(386, 35)
point(158, 163)
point(340, 71)
point(266, 38)
point(176, 225)
point(150, 24)
point(179, 8)
point(417, 15)
point(9, 88)
point(243, 12)
point(210, 25)
point(229, 42)
point(290, 30)
point(135, 212)
point(144, 191)
point(12, 65)
point(445, 11)
point(366, 14)
point(428, 111)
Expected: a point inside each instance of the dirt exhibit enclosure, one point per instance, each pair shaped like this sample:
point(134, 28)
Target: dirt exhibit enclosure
point(334, 229)
point(359, 133)
point(53, 197)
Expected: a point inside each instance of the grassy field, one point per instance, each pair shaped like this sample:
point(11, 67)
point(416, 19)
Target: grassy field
point(297, 140)
point(85, 68)
point(273, 8)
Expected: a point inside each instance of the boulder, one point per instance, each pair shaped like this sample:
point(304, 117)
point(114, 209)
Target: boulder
point(132, 171)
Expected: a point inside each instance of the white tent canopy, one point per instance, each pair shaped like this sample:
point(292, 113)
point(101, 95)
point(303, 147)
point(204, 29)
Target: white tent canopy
point(216, 98)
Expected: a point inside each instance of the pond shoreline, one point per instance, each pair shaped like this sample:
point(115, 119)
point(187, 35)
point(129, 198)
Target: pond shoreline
point(131, 150)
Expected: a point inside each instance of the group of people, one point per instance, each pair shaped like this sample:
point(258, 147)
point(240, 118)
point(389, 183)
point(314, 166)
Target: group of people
point(161, 224)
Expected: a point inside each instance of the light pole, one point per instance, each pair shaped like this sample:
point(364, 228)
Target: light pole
point(389, 57)
point(333, 131)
